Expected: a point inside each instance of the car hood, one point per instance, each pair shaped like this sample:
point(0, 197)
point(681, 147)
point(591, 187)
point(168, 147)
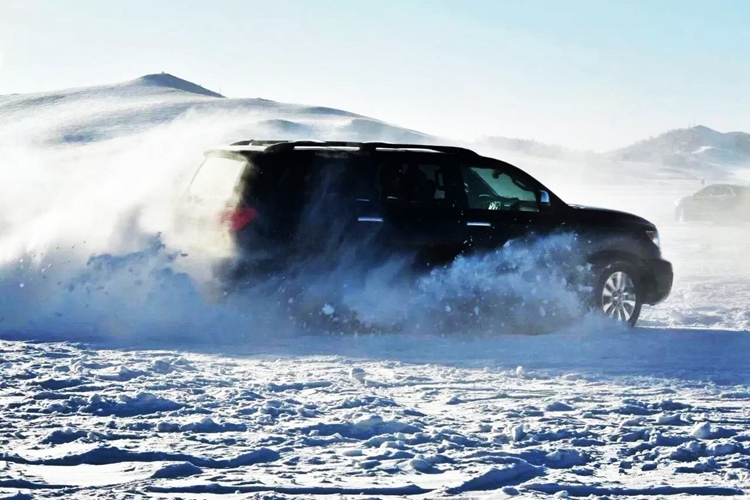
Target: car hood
point(609, 216)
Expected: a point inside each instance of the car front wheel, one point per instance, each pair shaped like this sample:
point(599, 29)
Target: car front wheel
point(617, 293)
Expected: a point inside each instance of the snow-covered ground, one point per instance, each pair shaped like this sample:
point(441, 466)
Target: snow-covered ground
point(119, 380)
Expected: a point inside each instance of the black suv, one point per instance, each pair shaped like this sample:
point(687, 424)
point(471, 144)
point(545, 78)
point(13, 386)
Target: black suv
point(277, 205)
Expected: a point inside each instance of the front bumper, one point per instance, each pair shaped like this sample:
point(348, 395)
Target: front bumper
point(660, 277)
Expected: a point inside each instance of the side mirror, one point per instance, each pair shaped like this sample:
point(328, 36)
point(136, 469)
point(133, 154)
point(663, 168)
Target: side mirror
point(544, 198)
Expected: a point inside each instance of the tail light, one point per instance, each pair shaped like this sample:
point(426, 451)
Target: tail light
point(238, 218)
point(654, 237)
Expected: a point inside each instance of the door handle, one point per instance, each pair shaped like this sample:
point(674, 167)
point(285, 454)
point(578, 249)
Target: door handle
point(369, 219)
point(479, 224)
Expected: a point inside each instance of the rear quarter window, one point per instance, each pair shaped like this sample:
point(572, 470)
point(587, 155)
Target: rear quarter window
point(217, 179)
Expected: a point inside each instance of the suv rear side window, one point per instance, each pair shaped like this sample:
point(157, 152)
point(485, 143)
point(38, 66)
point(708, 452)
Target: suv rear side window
point(309, 178)
point(714, 191)
point(216, 180)
point(495, 189)
point(347, 176)
point(335, 184)
point(416, 183)
point(311, 192)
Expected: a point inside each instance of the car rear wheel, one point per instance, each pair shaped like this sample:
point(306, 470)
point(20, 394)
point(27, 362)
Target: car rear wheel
point(618, 294)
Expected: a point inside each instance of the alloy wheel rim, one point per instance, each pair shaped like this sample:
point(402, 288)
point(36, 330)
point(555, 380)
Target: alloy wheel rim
point(619, 296)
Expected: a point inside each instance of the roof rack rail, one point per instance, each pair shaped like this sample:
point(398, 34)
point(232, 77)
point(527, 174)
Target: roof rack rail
point(289, 145)
point(256, 142)
point(428, 147)
point(285, 145)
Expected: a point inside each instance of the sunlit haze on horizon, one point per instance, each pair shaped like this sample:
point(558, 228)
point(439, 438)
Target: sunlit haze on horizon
point(585, 74)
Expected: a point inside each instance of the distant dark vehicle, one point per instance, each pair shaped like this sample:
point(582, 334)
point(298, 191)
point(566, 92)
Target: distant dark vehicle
point(717, 203)
point(281, 203)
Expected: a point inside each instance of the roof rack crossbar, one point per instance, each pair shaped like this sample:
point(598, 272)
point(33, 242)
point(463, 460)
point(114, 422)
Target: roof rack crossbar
point(284, 145)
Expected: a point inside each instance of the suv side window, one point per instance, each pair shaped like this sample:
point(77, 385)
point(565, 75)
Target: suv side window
point(349, 177)
point(331, 189)
point(216, 185)
point(711, 191)
point(216, 182)
point(489, 188)
point(417, 183)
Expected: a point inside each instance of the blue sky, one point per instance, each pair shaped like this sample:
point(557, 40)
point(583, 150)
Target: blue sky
point(593, 74)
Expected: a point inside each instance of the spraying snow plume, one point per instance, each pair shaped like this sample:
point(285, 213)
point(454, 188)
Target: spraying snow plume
point(88, 244)
point(88, 249)
point(89, 181)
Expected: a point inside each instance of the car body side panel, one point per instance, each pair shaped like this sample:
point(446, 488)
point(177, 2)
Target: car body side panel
point(419, 200)
point(322, 207)
point(724, 203)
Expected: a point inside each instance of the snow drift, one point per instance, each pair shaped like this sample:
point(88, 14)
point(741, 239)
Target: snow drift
point(90, 179)
point(228, 398)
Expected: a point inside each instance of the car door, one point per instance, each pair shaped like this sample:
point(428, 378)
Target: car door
point(420, 198)
point(504, 203)
point(725, 201)
point(338, 205)
point(705, 201)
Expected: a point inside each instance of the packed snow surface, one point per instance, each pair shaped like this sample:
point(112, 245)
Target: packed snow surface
point(418, 419)
point(120, 379)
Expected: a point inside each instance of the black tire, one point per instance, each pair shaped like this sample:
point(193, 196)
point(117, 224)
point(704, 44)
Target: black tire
point(618, 293)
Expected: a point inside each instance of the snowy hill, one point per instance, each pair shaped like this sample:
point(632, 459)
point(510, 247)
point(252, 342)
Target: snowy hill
point(692, 154)
point(531, 147)
point(693, 146)
point(165, 80)
point(133, 384)
point(98, 113)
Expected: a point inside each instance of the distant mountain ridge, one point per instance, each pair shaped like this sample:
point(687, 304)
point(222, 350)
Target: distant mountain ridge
point(170, 81)
point(99, 113)
point(91, 114)
point(688, 147)
point(530, 147)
